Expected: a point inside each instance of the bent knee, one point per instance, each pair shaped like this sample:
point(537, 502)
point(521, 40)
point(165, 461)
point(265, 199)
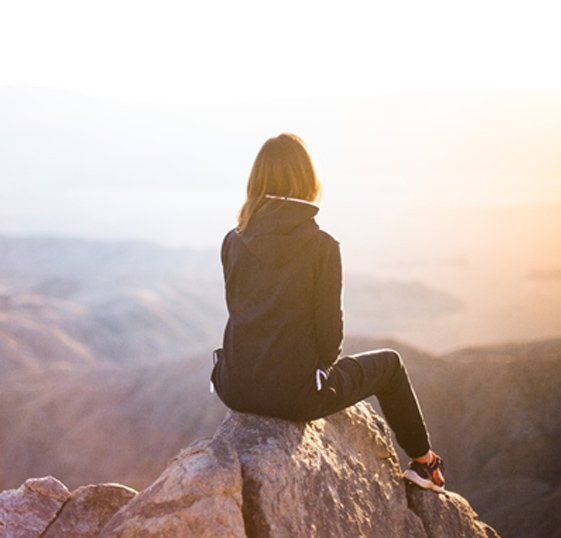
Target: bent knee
point(394, 359)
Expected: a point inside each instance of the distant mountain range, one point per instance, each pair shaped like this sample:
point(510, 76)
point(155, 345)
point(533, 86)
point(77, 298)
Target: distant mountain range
point(77, 301)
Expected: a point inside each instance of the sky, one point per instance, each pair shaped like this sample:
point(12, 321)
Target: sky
point(187, 52)
point(112, 114)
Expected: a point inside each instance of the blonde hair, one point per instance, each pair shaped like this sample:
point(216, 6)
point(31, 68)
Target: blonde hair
point(282, 167)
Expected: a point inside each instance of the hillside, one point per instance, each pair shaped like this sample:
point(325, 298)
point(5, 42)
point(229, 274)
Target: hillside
point(132, 301)
point(104, 422)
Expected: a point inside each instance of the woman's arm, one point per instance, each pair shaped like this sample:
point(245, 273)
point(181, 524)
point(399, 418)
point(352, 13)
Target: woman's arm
point(224, 253)
point(327, 304)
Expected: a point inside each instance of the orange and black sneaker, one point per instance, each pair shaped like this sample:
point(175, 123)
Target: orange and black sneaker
point(427, 475)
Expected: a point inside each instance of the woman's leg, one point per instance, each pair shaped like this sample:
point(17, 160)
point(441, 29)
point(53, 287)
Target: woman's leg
point(399, 404)
point(379, 373)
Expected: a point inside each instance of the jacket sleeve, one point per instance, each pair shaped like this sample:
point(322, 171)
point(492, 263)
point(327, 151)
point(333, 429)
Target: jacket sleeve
point(328, 304)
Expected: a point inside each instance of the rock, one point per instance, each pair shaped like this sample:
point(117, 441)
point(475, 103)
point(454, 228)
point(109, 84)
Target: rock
point(267, 477)
point(199, 494)
point(27, 511)
point(447, 514)
point(44, 507)
point(331, 477)
point(88, 509)
point(259, 477)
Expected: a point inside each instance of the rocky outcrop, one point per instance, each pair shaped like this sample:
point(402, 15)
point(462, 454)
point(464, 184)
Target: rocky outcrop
point(267, 477)
point(44, 507)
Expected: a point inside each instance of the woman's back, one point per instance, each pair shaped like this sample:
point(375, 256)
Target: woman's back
point(284, 336)
point(283, 292)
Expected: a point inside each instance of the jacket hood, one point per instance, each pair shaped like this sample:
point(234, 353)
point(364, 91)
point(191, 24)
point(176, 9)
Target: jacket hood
point(279, 229)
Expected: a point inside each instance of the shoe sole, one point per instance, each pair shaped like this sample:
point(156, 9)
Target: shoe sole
point(412, 476)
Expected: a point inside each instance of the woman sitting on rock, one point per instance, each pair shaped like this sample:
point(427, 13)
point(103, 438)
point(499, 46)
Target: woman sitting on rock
point(281, 353)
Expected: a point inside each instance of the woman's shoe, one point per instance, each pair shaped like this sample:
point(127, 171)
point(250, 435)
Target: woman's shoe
point(427, 476)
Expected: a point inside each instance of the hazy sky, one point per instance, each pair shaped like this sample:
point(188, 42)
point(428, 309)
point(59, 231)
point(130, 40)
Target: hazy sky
point(169, 51)
point(460, 105)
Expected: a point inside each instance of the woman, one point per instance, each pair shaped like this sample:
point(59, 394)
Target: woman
point(283, 339)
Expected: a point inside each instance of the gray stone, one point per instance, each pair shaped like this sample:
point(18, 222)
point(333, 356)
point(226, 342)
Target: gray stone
point(88, 509)
point(27, 511)
point(447, 514)
point(199, 494)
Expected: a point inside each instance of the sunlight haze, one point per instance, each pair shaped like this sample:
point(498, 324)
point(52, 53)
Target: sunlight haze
point(182, 52)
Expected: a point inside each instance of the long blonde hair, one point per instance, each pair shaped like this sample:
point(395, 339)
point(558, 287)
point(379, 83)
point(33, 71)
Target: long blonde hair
point(282, 167)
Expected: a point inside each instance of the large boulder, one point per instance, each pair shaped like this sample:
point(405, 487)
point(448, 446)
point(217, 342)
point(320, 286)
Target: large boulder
point(268, 477)
point(199, 494)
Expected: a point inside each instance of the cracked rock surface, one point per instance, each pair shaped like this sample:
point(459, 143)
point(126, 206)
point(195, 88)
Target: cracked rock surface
point(268, 477)
point(43, 507)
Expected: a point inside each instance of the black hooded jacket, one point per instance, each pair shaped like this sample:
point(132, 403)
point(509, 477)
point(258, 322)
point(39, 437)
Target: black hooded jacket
point(283, 284)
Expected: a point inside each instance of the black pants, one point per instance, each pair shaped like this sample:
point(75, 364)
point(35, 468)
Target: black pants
point(379, 373)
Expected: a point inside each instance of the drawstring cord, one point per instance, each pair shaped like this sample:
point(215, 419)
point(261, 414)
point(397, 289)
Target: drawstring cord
point(319, 373)
point(214, 361)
